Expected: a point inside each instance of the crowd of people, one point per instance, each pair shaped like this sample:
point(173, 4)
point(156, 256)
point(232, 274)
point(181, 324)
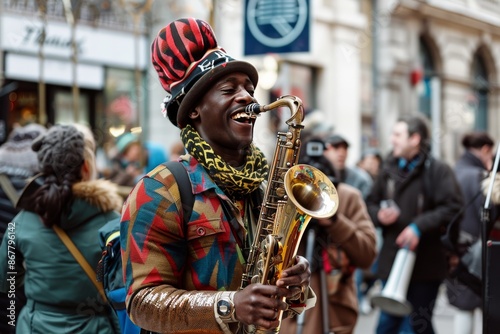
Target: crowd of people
point(184, 274)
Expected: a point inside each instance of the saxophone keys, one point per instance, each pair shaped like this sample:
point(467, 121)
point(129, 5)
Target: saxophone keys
point(280, 192)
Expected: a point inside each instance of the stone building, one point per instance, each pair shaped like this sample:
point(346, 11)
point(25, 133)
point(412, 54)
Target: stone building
point(369, 61)
point(442, 59)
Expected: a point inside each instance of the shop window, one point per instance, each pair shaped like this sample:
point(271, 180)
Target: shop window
point(65, 113)
point(428, 68)
point(120, 112)
point(23, 107)
point(480, 86)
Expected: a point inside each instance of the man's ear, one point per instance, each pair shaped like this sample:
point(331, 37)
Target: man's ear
point(194, 114)
point(415, 139)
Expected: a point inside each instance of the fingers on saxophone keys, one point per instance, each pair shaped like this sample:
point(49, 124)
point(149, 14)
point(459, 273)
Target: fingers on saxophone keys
point(270, 314)
point(281, 292)
point(280, 305)
point(296, 291)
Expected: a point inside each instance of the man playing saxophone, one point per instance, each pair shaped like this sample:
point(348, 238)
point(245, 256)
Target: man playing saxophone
point(185, 278)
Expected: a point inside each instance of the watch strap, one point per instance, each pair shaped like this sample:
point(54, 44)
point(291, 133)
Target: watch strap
point(224, 310)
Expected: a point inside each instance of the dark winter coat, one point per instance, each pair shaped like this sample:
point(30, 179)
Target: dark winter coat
point(429, 203)
point(7, 212)
point(470, 172)
point(7, 208)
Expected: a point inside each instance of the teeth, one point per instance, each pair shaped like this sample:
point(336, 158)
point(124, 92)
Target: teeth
point(242, 115)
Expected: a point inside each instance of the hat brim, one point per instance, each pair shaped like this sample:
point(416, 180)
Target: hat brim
point(338, 143)
point(199, 89)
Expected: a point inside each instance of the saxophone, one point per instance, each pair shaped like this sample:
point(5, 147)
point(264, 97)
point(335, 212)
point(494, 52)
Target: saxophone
point(295, 194)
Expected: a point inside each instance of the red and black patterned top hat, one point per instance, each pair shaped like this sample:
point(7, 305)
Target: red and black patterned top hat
point(188, 61)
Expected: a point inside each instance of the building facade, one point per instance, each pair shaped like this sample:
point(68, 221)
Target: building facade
point(369, 62)
point(64, 64)
point(440, 58)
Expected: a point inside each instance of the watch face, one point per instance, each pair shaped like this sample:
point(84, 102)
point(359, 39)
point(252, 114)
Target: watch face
point(224, 308)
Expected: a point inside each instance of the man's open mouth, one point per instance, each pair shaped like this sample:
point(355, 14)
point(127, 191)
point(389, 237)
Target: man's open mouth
point(242, 117)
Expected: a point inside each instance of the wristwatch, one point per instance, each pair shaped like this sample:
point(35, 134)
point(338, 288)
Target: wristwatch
point(225, 307)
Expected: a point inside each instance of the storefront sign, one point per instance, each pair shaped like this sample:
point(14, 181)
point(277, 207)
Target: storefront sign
point(33, 36)
point(57, 72)
point(94, 45)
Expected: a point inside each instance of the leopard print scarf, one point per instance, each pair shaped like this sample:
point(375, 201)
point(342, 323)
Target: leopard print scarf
point(236, 183)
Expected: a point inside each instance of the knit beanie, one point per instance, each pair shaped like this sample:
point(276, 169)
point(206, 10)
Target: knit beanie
point(188, 60)
point(125, 140)
point(16, 156)
point(60, 151)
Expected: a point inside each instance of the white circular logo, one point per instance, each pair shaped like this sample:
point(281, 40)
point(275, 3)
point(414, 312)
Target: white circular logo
point(286, 17)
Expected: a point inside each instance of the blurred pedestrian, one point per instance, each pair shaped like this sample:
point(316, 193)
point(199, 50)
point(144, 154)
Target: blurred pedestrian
point(371, 162)
point(342, 243)
point(18, 162)
point(414, 197)
point(471, 169)
point(176, 150)
point(337, 149)
point(64, 202)
point(134, 159)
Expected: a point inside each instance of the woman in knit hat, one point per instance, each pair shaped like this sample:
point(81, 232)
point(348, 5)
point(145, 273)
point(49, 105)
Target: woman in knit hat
point(17, 163)
point(186, 277)
point(134, 159)
point(65, 197)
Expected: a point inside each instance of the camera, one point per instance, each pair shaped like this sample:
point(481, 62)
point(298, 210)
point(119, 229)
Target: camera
point(313, 155)
point(315, 148)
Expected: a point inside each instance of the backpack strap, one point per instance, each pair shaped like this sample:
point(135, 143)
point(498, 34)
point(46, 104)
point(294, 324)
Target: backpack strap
point(184, 183)
point(8, 188)
point(80, 259)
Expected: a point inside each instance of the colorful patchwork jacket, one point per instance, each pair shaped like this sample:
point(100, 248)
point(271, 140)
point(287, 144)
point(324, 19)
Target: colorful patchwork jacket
point(165, 262)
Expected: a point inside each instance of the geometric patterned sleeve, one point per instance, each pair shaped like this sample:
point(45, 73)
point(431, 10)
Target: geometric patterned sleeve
point(154, 259)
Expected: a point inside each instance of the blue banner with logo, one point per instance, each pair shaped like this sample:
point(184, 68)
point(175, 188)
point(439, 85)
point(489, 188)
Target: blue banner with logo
point(276, 26)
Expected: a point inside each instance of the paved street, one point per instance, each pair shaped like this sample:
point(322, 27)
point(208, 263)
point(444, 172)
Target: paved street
point(443, 319)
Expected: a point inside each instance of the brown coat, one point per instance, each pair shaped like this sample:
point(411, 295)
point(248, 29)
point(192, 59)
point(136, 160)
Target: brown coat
point(354, 232)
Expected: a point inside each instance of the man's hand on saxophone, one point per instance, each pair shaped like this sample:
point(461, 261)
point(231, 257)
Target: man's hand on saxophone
point(297, 277)
point(259, 304)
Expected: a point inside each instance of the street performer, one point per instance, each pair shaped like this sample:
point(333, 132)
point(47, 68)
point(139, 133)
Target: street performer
point(186, 279)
